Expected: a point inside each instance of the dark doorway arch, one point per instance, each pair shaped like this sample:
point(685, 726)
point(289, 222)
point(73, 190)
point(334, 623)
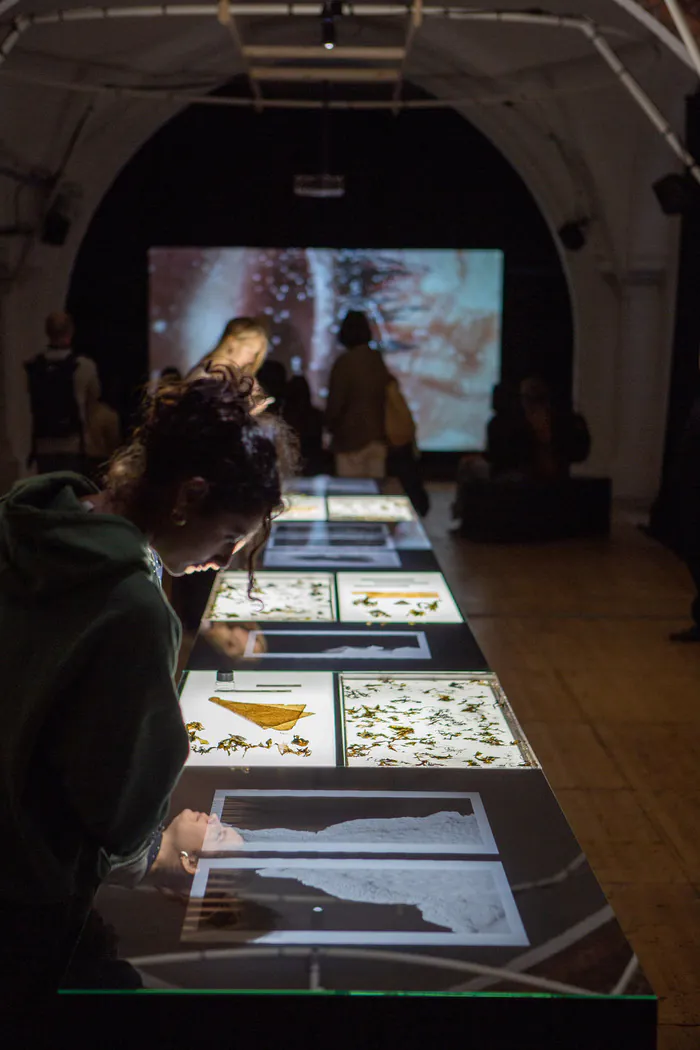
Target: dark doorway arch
point(215, 176)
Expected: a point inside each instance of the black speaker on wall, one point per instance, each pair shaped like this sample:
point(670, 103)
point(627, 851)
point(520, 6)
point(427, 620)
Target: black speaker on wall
point(573, 234)
point(59, 218)
point(677, 194)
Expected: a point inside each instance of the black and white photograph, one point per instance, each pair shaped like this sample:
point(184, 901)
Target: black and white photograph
point(349, 821)
point(334, 645)
point(324, 484)
point(343, 545)
point(354, 901)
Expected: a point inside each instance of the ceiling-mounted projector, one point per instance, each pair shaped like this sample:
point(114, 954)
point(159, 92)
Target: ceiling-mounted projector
point(319, 185)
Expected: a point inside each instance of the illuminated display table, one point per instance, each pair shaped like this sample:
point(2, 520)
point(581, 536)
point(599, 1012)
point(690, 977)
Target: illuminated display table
point(384, 860)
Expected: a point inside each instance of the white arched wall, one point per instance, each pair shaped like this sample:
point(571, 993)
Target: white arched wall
point(622, 284)
point(44, 279)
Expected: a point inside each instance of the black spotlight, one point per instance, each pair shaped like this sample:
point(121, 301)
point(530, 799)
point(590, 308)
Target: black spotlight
point(573, 234)
point(330, 11)
point(677, 194)
point(60, 215)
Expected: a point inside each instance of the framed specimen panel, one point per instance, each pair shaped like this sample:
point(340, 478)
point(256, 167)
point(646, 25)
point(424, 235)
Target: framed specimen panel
point(370, 508)
point(397, 597)
point(276, 596)
point(448, 720)
point(260, 718)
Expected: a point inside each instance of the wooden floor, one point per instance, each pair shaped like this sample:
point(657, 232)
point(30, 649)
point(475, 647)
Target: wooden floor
point(577, 632)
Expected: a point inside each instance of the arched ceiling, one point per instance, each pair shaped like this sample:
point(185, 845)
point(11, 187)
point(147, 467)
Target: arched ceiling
point(197, 52)
point(79, 96)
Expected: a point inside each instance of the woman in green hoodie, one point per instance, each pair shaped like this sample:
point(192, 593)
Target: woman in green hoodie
point(92, 739)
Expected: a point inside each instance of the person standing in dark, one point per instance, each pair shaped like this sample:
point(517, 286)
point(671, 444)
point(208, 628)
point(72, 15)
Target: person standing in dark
point(307, 423)
point(63, 390)
point(272, 377)
point(355, 411)
point(686, 483)
point(402, 456)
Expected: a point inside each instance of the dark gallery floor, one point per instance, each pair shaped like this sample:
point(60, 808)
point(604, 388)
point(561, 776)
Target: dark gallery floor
point(577, 632)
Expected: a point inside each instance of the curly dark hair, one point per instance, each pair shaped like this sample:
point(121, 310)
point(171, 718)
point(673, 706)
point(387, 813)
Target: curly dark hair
point(203, 427)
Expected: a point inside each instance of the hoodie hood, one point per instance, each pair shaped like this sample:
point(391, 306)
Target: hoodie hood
point(50, 542)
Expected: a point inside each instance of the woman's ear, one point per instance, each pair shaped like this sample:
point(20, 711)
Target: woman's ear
point(191, 495)
point(188, 862)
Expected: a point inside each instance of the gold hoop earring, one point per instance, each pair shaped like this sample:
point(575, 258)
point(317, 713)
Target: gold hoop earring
point(177, 518)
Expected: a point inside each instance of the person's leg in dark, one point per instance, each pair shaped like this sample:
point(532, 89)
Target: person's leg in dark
point(691, 634)
point(403, 465)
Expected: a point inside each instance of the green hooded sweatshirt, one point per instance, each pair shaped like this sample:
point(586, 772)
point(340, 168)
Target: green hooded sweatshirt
point(92, 740)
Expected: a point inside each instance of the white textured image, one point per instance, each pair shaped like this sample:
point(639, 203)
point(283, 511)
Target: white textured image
point(276, 596)
point(299, 506)
point(457, 902)
point(420, 720)
point(444, 832)
point(393, 597)
point(269, 718)
point(370, 508)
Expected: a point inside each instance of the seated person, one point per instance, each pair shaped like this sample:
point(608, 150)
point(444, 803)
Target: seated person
point(532, 440)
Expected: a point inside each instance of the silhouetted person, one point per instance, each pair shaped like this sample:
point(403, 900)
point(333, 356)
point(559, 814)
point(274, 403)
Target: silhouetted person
point(355, 412)
point(519, 488)
point(63, 389)
point(402, 458)
point(273, 380)
point(103, 434)
point(306, 421)
point(552, 436)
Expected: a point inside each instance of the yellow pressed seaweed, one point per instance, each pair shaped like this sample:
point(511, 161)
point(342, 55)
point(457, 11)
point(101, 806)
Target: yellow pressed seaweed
point(267, 716)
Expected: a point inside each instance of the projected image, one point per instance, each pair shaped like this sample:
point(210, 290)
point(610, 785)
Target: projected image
point(428, 720)
point(436, 314)
point(276, 596)
point(260, 719)
point(390, 597)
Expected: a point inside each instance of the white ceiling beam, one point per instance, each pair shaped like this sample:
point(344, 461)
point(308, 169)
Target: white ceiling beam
point(314, 73)
point(227, 20)
point(369, 54)
point(684, 32)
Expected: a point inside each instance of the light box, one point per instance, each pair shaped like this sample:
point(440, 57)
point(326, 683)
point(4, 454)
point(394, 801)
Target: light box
point(276, 596)
point(445, 720)
point(396, 597)
point(269, 718)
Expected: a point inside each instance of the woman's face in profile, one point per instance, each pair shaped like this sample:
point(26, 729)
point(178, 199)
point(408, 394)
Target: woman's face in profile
point(220, 836)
